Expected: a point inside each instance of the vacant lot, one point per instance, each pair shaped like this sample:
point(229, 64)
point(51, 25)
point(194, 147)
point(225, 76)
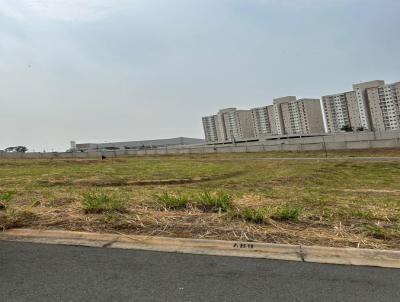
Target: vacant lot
point(323, 202)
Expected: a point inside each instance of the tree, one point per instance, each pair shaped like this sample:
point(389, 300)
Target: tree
point(360, 128)
point(20, 149)
point(347, 128)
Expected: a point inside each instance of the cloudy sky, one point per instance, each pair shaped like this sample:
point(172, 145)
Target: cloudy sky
point(103, 70)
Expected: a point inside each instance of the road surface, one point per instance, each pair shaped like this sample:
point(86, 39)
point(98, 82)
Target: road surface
point(38, 272)
point(344, 158)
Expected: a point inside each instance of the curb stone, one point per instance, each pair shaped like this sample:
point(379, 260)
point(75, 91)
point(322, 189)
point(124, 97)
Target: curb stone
point(314, 254)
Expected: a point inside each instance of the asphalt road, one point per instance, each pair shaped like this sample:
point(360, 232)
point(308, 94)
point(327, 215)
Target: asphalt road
point(36, 272)
point(344, 158)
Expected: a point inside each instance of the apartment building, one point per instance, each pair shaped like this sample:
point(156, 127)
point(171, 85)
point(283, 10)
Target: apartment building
point(278, 104)
point(303, 116)
point(341, 110)
point(263, 120)
point(210, 128)
point(370, 106)
point(228, 124)
point(363, 103)
point(384, 102)
point(224, 130)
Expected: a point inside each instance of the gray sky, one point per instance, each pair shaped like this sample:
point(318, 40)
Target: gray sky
point(102, 70)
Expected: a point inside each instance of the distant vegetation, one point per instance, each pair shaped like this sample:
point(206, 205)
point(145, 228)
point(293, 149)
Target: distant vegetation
point(20, 149)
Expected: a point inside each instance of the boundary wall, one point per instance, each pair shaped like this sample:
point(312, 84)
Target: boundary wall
point(345, 141)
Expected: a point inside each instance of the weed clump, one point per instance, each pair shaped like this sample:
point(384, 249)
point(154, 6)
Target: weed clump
point(98, 202)
point(172, 202)
point(6, 196)
point(375, 231)
point(252, 215)
point(287, 212)
point(217, 202)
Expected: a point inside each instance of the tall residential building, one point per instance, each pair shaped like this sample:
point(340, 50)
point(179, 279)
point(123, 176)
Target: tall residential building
point(341, 110)
point(384, 103)
point(371, 106)
point(362, 101)
point(278, 113)
point(222, 124)
point(263, 120)
point(210, 128)
point(302, 116)
point(229, 124)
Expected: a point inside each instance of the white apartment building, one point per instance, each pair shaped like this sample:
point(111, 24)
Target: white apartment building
point(362, 101)
point(287, 115)
point(278, 112)
point(263, 120)
point(210, 128)
point(303, 116)
point(341, 110)
point(384, 102)
point(371, 106)
point(228, 124)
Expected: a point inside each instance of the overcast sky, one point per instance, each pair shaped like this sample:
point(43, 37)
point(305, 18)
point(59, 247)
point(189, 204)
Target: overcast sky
point(102, 70)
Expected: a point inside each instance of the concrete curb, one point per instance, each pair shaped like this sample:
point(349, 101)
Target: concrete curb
point(347, 256)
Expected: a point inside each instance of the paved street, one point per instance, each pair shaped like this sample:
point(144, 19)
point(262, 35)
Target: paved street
point(348, 158)
point(33, 272)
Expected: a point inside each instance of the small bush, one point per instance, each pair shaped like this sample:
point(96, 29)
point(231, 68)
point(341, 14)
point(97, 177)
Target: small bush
point(214, 202)
point(172, 202)
point(252, 215)
point(375, 231)
point(99, 202)
point(6, 196)
point(287, 212)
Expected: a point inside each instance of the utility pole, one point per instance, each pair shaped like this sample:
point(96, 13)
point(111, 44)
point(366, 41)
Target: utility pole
point(324, 144)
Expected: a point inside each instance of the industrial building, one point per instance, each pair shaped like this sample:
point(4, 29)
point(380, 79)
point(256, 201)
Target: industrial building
point(136, 145)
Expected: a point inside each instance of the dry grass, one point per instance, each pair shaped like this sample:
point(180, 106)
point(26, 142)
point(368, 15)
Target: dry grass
point(323, 202)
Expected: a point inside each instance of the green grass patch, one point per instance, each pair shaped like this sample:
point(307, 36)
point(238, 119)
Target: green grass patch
point(214, 202)
point(98, 202)
point(6, 196)
point(287, 212)
point(172, 202)
point(364, 214)
point(258, 216)
point(375, 231)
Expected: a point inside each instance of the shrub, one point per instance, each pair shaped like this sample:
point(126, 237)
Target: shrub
point(375, 231)
point(6, 196)
point(172, 202)
point(214, 202)
point(287, 212)
point(252, 215)
point(99, 202)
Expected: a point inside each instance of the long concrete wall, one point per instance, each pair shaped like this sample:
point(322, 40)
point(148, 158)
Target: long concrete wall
point(350, 141)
